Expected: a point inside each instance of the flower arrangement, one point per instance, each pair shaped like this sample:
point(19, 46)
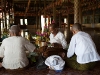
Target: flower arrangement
point(4, 33)
point(43, 36)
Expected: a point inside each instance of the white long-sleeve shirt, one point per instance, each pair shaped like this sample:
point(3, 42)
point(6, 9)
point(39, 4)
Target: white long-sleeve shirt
point(13, 52)
point(83, 46)
point(59, 38)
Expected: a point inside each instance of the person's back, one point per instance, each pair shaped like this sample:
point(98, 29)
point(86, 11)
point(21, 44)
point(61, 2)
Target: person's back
point(83, 46)
point(13, 52)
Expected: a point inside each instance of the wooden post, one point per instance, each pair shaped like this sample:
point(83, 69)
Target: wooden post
point(93, 23)
point(59, 20)
point(36, 21)
point(76, 11)
point(80, 13)
point(68, 30)
point(45, 11)
point(39, 15)
point(54, 13)
point(5, 14)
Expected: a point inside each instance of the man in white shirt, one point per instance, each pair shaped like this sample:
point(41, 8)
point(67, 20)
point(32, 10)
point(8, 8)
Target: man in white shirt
point(13, 50)
point(82, 46)
point(57, 38)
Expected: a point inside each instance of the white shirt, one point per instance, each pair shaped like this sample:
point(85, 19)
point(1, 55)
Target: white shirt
point(13, 52)
point(59, 38)
point(55, 62)
point(83, 46)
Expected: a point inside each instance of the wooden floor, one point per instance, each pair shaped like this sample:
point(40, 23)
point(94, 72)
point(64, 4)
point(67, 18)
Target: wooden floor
point(66, 71)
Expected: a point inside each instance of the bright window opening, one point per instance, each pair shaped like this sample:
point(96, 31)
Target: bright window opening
point(26, 22)
point(21, 21)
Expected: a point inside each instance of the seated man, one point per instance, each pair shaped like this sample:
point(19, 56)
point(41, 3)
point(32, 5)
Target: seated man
point(13, 49)
point(57, 41)
point(57, 38)
point(82, 46)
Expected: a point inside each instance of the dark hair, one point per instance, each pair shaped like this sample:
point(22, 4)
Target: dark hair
point(77, 26)
point(53, 25)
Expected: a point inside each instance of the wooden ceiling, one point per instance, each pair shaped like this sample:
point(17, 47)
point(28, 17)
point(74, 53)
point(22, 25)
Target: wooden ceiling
point(37, 7)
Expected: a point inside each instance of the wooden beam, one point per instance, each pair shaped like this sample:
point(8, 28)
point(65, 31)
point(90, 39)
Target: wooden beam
point(23, 14)
point(27, 7)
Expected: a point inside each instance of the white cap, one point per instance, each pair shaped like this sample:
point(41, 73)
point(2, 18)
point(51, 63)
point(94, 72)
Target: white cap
point(55, 62)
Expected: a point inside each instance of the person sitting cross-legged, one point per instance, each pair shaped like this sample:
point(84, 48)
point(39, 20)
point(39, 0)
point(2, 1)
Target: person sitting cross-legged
point(57, 43)
point(82, 49)
point(13, 50)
